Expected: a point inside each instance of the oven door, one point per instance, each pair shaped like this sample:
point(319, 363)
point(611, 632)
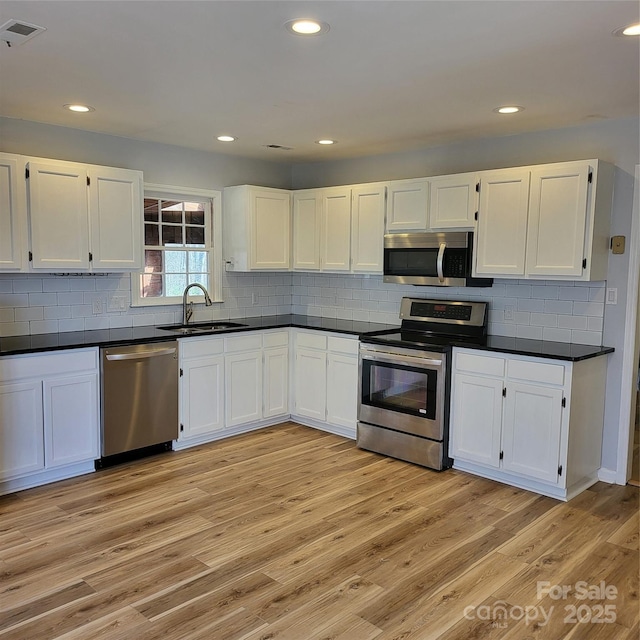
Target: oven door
point(402, 391)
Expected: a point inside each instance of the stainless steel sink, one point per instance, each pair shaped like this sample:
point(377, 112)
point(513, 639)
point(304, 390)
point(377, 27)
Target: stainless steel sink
point(201, 327)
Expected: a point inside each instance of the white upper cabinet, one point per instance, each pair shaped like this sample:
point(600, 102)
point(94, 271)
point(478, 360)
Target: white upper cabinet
point(256, 228)
point(306, 229)
point(115, 206)
point(367, 228)
point(13, 251)
point(501, 237)
point(335, 245)
point(408, 205)
point(59, 216)
point(66, 216)
point(545, 221)
point(453, 202)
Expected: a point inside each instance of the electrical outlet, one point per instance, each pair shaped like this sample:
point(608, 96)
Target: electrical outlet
point(612, 296)
point(508, 313)
point(97, 307)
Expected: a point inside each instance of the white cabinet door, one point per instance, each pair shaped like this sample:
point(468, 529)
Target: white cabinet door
point(21, 437)
point(531, 432)
point(13, 212)
point(453, 201)
point(70, 419)
point(476, 419)
point(500, 240)
point(557, 219)
point(367, 229)
point(270, 229)
point(202, 399)
point(408, 205)
point(310, 383)
point(306, 229)
point(342, 389)
point(276, 382)
point(336, 229)
point(243, 387)
point(115, 210)
point(59, 217)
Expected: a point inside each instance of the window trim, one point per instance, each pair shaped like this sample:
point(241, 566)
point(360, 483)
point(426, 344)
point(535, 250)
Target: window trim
point(185, 193)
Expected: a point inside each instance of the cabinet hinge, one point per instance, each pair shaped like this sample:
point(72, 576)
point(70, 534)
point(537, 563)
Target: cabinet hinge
point(181, 427)
point(501, 455)
point(30, 256)
point(564, 402)
point(560, 470)
point(90, 256)
point(590, 178)
point(477, 187)
point(88, 181)
point(26, 173)
point(584, 263)
point(504, 392)
point(181, 373)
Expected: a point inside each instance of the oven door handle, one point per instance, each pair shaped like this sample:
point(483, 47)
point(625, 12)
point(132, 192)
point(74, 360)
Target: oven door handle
point(440, 261)
point(401, 359)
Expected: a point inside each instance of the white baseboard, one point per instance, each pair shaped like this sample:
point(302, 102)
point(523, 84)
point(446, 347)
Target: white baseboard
point(610, 476)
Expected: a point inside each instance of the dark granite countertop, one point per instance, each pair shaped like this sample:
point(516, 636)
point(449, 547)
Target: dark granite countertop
point(15, 345)
point(541, 348)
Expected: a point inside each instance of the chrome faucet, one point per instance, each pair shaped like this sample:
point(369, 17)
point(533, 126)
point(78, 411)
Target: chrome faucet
point(187, 309)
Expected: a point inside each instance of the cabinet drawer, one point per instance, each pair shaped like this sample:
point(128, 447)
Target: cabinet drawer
point(201, 347)
point(39, 365)
point(243, 343)
point(276, 339)
point(547, 373)
point(479, 364)
point(311, 340)
point(343, 345)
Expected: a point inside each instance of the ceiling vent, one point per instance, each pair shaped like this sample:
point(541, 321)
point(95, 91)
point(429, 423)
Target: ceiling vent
point(278, 146)
point(17, 32)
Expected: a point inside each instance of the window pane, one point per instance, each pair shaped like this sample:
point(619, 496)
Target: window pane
point(172, 211)
point(151, 285)
point(151, 235)
point(176, 283)
point(194, 213)
point(175, 261)
point(151, 209)
point(152, 261)
point(171, 235)
point(195, 236)
point(202, 278)
point(198, 262)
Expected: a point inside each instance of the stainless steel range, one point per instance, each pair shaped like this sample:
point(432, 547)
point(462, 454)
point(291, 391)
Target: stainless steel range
point(403, 407)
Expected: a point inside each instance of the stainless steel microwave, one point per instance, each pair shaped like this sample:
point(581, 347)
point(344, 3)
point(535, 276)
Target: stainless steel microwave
point(436, 259)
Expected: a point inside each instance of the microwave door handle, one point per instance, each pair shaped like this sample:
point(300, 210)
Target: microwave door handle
point(440, 260)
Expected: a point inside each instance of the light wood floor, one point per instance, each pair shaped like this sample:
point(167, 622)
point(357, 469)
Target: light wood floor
point(291, 533)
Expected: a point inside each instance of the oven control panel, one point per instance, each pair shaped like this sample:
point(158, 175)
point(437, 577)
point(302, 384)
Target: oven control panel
point(443, 311)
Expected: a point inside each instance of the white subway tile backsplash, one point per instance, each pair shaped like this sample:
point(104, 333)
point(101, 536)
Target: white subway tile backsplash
point(42, 299)
point(572, 322)
point(573, 293)
point(29, 313)
point(27, 285)
point(530, 304)
point(523, 331)
point(558, 306)
point(544, 319)
point(586, 337)
point(43, 326)
point(556, 335)
point(588, 309)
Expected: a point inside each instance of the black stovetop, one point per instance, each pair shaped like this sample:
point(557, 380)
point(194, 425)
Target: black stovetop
point(425, 341)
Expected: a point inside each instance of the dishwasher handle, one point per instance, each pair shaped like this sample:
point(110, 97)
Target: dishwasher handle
point(142, 354)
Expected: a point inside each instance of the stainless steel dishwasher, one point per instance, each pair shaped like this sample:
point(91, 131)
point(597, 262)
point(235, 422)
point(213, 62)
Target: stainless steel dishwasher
point(139, 400)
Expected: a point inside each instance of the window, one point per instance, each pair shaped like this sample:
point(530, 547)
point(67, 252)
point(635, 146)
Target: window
point(181, 245)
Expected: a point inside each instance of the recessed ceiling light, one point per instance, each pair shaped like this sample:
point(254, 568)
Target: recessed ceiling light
point(512, 108)
point(79, 108)
point(326, 141)
point(226, 139)
point(306, 27)
point(629, 30)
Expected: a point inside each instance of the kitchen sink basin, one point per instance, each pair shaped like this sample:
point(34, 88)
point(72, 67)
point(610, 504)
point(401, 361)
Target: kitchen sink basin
point(201, 327)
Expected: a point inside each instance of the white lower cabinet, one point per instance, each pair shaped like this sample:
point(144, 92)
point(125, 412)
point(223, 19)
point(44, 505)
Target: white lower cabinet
point(232, 384)
point(512, 420)
point(325, 381)
point(49, 421)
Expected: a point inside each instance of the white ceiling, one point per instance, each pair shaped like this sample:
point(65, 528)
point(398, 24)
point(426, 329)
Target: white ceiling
point(389, 76)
